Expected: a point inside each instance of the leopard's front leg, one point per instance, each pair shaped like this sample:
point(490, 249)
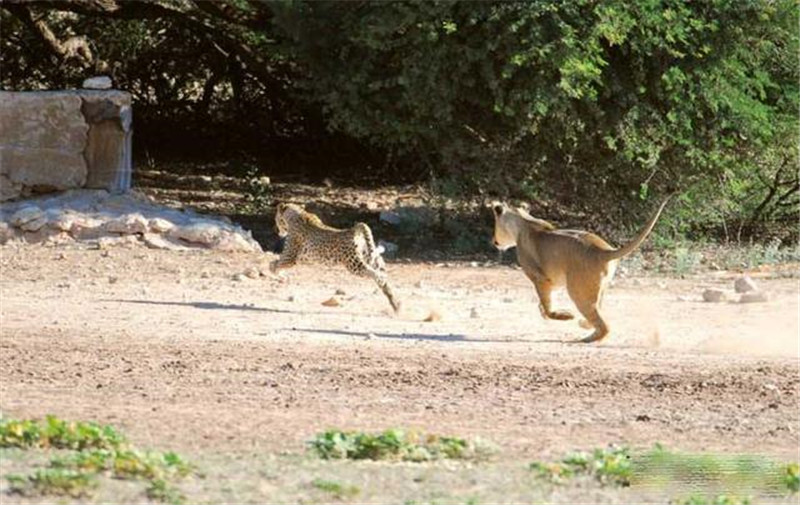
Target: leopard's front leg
point(287, 259)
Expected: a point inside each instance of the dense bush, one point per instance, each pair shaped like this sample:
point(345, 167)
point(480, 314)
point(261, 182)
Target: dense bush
point(602, 106)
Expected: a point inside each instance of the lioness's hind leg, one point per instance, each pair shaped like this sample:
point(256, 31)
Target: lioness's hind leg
point(587, 298)
point(584, 323)
point(543, 289)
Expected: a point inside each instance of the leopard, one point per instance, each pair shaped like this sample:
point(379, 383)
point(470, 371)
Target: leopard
point(551, 257)
point(309, 240)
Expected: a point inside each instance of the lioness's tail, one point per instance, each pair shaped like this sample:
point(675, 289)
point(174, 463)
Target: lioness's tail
point(639, 238)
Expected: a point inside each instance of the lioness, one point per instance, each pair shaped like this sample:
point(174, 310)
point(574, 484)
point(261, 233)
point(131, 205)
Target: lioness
point(550, 257)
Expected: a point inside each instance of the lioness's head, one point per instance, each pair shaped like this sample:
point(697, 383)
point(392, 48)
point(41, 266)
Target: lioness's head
point(505, 229)
point(509, 221)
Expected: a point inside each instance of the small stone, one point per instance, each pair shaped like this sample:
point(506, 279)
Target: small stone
point(204, 274)
point(340, 292)
point(112, 279)
point(419, 284)
point(160, 225)
point(754, 297)
point(239, 277)
point(131, 223)
point(97, 82)
point(26, 214)
point(331, 302)
point(34, 224)
point(252, 273)
point(290, 298)
point(744, 284)
point(713, 295)
point(508, 299)
point(473, 313)
point(433, 317)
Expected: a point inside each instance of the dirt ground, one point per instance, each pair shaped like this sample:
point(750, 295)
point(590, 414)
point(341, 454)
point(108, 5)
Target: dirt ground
point(181, 353)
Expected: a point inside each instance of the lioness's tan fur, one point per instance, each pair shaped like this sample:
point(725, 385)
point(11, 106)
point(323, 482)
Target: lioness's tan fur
point(579, 260)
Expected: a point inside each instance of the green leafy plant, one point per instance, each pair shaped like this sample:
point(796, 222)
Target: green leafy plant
point(609, 466)
point(337, 489)
point(396, 445)
point(54, 481)
point(92, 450)
point(58, 434)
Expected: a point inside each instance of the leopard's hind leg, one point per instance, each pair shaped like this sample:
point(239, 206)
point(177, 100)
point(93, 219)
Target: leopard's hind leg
point(372, 254)
point(359, 267)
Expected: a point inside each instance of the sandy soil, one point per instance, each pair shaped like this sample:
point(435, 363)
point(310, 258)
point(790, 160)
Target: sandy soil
point(178, 354)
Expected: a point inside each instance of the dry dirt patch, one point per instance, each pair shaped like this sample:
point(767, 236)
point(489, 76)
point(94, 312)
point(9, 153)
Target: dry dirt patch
point(168, 346)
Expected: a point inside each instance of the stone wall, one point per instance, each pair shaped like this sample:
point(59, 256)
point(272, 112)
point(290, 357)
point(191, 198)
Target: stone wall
point(60, 140)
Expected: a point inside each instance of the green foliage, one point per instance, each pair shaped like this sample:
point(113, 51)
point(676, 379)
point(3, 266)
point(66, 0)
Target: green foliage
point(58, 434)
point(736, 475)
point(608, 466)
point(53, 482)
point(93, 450)
point(601, 106)
point(337, 489)
point(396, 445)
point(791, 477)
point(161, 491)
point(722, 499)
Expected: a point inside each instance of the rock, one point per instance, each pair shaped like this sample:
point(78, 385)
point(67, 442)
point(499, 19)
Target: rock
point(42, 139)
point(473, 313)
point(128, 224)
point(390, 217)
point(236, 241)
point(26, 214)
point(754, 297)
point(331, 302)
point(34, 224)
point(744, 284)
point(714, 295)
point(156, 241)
point(113, 279)
point(160, 225)
point(239, 277)
point(252, 273)
point(205, 233)
point(6, 232)
point(62, 221)
point(98, 82)
point(389, 248)
point(340, 292)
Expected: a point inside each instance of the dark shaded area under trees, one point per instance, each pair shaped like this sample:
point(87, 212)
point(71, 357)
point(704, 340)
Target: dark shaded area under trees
point(603, 107)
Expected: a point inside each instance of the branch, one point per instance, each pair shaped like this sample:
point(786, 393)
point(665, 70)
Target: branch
point(73, 48)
